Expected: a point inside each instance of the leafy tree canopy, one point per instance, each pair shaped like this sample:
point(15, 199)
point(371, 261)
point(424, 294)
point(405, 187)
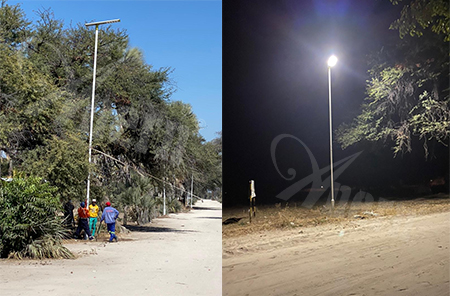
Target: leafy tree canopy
point(419, 15)
point(408, 88)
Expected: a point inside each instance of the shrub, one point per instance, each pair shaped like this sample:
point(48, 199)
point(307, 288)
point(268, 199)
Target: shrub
point(174, 206)
point(29, 225)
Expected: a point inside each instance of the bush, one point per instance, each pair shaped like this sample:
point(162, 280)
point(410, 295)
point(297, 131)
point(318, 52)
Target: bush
point(174, 206)
point(29, 225)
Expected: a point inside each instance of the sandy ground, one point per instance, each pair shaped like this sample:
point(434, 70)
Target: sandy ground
point(385, 256)
point(179, 255)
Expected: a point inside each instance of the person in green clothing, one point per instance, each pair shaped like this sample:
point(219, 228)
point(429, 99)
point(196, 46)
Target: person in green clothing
point(93, 212)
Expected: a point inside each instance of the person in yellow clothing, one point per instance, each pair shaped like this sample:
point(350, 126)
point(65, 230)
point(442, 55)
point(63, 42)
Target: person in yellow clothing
point(93, 213)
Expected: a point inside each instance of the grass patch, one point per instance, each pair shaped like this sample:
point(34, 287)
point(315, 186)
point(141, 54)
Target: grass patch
point(275, 217)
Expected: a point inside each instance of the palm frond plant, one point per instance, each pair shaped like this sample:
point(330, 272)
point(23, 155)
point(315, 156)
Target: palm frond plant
point(29, 224)
point(138, 200)
point(174, 205)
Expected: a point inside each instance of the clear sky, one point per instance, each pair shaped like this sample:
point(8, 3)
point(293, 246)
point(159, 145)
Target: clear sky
point(183, 35)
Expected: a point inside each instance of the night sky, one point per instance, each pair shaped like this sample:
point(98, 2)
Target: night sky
point(275, 82)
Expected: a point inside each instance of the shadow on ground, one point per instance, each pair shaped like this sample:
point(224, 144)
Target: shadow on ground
point(209, 218)
point(143, 228)
point(208, 209)
point(121, 239)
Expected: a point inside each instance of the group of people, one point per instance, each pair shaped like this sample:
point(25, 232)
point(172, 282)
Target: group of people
point(88, 218)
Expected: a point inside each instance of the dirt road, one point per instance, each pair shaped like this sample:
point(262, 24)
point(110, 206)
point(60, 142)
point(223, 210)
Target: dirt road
point(393, 256)
point(180, 255)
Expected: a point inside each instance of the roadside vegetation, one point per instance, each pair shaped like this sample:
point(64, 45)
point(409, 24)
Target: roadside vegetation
point(408, 87)
point(143, 142)
point(29, 225)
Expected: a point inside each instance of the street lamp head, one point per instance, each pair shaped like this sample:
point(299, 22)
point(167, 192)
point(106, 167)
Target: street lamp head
point(102, 22)
point(332, 61)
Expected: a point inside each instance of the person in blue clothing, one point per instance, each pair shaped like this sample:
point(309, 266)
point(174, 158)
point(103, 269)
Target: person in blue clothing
point(110, 215)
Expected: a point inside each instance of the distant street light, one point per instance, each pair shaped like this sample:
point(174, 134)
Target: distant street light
point(96, 24)
point(331, 62)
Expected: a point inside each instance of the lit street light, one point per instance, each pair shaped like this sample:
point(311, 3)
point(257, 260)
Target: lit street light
point(331, 62)
point(96, 24)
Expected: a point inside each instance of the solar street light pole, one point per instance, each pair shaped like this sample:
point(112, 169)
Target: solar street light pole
point(192, 188)
point(331, 62)
point(96, 24)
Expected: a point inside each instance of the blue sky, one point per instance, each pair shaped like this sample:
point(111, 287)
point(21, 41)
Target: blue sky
point(183, 35)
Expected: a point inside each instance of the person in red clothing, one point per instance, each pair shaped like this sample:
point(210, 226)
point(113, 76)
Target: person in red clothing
point(83, 216)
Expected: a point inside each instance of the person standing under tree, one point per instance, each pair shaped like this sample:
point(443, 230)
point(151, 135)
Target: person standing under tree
point(83, 216)
point(93, 213)
point(110, 215)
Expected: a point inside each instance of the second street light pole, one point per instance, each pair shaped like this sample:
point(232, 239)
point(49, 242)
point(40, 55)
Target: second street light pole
point(331, 62)
point(96, 24)
point(164, 196)
point(192, 188)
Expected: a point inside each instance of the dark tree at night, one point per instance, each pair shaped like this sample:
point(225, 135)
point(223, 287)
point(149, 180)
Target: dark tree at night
point(408, 86)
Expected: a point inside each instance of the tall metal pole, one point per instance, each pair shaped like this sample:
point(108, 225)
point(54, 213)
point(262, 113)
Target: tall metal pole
point(92, 117)
point(331, 140)
point(164, 194)
point(96, 24)
point(192, 187)
point(164, 185)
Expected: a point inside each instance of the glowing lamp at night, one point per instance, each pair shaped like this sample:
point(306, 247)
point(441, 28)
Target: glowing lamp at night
point(332, 61)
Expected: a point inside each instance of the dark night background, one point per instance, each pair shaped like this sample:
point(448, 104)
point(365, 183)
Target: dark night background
point(275, 82)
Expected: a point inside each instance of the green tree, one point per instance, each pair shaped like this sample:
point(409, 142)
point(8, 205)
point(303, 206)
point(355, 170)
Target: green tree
point(14, 27)
point(408, 89)
point(62, 161)
point(419, 15)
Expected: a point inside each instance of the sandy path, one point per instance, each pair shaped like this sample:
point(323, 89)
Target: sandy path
point(182, 258)
point(397, 256)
